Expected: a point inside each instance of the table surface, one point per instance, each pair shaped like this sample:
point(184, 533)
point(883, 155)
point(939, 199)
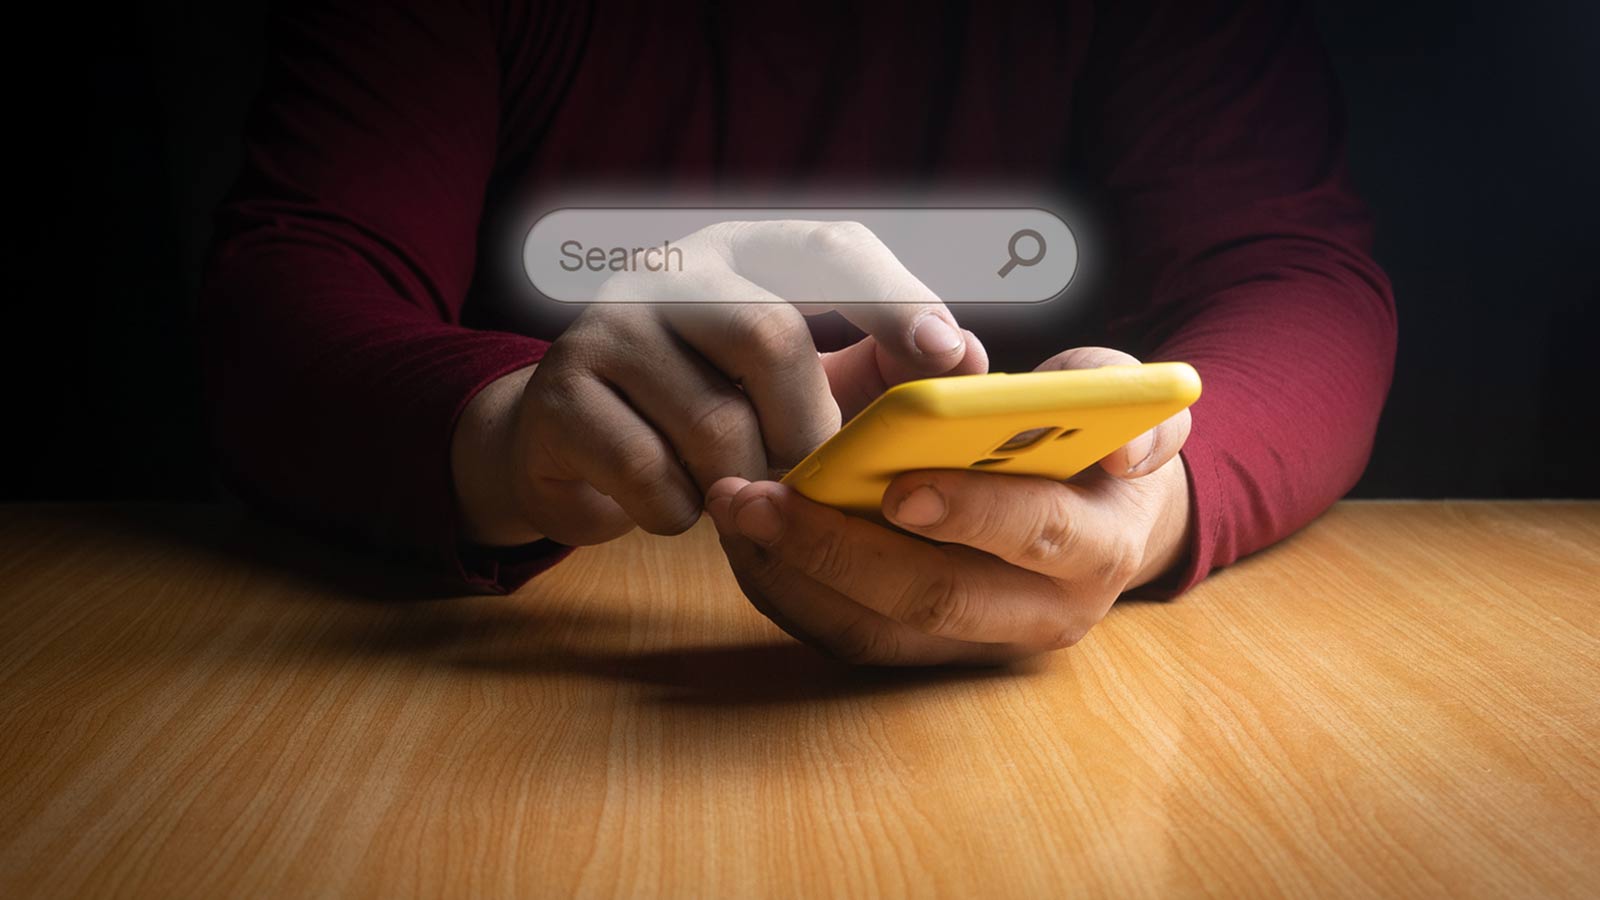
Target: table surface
point(1401, 700)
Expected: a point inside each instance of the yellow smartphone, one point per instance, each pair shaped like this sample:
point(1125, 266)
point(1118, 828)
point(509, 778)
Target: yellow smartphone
point(1050, 424)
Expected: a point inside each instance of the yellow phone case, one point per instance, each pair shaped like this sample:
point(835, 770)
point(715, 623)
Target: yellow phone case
point(1051, 424)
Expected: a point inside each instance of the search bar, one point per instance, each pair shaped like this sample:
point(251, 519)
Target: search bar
point(963, 255)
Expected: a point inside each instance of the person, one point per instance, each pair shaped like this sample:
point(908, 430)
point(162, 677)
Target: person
point(360, 380)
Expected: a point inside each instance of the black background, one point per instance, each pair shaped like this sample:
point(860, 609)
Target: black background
point(1475, 133)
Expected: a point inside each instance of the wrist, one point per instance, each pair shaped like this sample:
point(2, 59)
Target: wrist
point(482, 465)
point(1168, 541)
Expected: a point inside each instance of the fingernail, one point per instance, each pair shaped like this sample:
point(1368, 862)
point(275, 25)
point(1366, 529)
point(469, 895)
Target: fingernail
point(923, 506)
point(935, 337)
point(760, 521)
point(1140, 449)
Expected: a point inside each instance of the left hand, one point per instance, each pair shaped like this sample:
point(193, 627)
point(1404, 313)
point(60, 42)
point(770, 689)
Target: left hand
point(1011, 565)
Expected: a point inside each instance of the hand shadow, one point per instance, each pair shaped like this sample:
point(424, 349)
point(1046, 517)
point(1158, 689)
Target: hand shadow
point(382, 609)
point(327, 562)
point(762, 673)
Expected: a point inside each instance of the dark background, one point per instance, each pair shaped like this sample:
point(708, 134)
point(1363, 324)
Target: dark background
point(1475, 133)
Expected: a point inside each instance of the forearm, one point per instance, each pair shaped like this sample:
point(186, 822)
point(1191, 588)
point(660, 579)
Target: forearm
point(336, 363)
point(1296, 370)
point(333, 404)
point(1242, 249)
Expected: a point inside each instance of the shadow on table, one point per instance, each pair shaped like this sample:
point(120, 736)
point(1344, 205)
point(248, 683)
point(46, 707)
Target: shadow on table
point(382, 609)
point(235, 534)
point(488, 638)
point(763, 673)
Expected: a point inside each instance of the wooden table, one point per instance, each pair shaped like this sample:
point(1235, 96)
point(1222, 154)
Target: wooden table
point(1400, 701)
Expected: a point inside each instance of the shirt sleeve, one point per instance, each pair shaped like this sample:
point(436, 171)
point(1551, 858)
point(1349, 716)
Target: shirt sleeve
point(335, 359)
point(1215, 131)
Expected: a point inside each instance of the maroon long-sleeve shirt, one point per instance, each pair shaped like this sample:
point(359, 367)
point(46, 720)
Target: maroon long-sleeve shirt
point(349, 305)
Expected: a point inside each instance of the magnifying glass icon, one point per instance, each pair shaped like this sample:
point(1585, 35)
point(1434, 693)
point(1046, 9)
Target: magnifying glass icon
point(1017, 260)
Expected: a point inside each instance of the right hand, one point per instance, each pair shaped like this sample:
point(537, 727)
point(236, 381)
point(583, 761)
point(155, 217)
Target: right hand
point(637, 409)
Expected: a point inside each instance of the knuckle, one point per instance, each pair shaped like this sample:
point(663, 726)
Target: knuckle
point(620, 286)
point(826, 558)
point(600, 321)
point(838, 237)
point(937, 605)
point(1072, 619)
point(623, 336)
point(722, 233)
point(770, 329)
point(724, 420)
point(587, 347)
point(640, 460)
point(863, 642)
point(559, 393)
point(1075, 631)
point(1050, 538)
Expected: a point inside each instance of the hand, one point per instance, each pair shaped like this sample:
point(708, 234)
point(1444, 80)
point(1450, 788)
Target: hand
point(638, 408)
point(995, 567)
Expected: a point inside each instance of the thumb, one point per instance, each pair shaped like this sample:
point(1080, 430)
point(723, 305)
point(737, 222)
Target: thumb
point(1145, 453)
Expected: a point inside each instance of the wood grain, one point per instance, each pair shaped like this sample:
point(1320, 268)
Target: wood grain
point(1401, 701)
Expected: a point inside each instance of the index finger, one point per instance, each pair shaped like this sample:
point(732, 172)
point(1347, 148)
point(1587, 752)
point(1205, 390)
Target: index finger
point(844, 266)
point(766, 348)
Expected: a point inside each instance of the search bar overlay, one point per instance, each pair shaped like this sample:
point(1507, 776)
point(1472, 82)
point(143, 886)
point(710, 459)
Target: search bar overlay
point(800, 255)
